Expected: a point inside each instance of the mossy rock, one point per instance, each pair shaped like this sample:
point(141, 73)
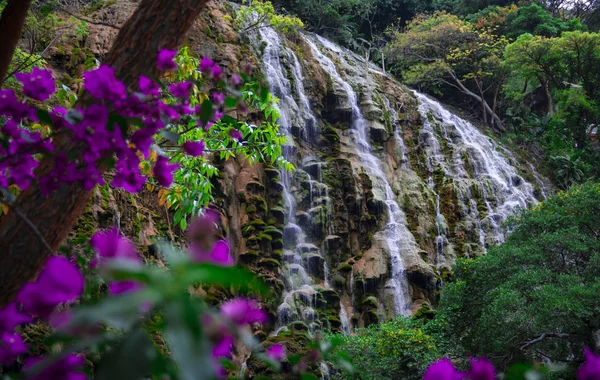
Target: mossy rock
point(248, 230)
point(277, 254)
point(251, 209)
point(339, 281)
point(425, 312)
point(258, 223)
point(277, 244)
point(370, 303)
point(264, 237)
point(275, 233)
point(345, 268)
point(267, 263)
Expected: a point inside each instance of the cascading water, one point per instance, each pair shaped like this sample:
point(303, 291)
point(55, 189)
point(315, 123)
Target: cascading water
point(299, 276)
point(502, 190)
point(484, 184)
point(396, 234)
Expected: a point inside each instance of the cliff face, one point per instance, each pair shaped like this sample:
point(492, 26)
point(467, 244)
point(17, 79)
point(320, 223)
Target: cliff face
point(390, 187)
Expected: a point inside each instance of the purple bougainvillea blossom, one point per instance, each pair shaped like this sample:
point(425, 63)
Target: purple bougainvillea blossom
point(218, 98)
point(235, 80)
point(243, 311)
point(67, 368)
point(110, 244)
point(481, 369)
point(121, 287)
point(103, 85)
point(149, 87)
point(165, 60)
point(11, 346)
point(38, 84)
point(59, 282)
point(219, 254)
point(275, 352)
point(590, 369)
point(163, 171)
point(181, 90)
point(11, 317)
point(194, 148)
point(442, 369)
point(223, 348)
point(206, 64)
point(235, 134)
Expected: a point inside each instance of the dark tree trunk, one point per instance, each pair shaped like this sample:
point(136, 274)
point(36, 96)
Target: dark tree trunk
point(156, 24)
point(549, 108)
point(11, 26)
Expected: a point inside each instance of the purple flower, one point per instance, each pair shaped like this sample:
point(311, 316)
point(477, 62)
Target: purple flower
point(218, 255)
point(66, 368)
point(181, 90)
point(442, 369)
point(275, 352)
point(120, 287)
point(235, 134)
point(103, 85)
point(218, 98)
point(128, 174)
point(59, 282)
point(481, 369)
point(149, 87)
point(163, 171)
point(216, 72)
point(110, 244)
point(165, 60)
point(206, 65)
point(143, 138)
point(243, 311)
point(11, 317)
point(194, 148)
point(11, 346)
point(223, 348)
point(235, 80)
point(38, 84)
point(590, 369)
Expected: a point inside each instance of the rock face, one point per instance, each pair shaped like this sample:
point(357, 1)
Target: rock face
point(389, 187)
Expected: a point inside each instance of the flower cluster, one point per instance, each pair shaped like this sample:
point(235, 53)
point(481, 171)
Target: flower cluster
point(103, 131)
point(481, 369)
point(60, 282)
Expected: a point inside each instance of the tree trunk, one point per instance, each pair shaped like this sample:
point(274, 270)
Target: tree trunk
point(498, 125)
point(156, 24)
point(11, 27)
point(548, 106)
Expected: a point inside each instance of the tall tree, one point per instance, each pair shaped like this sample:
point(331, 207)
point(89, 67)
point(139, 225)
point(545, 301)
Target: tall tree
point(11, 26)
point(156, 24)
point(444, 50)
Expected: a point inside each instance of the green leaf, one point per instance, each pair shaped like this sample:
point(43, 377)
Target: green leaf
point(309, 376)
point(190, 349)
point(44, 116)
point(131, 359)
point(230, 102)
point(218, 275)
point(206, 111)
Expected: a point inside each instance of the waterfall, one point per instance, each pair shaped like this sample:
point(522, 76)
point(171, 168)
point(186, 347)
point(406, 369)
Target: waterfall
point(459, 181)
point(396, 234)
point(298, 304)
point(477, 164)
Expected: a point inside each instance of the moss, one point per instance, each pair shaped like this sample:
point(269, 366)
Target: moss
point(264, 237)
point(274, 232)
point(251, 209)
point(370, 303)
point(339, 281)
point(277, 254)
point(248, 230)
point(424, 312)
point(258, 223)
point(268, 263)
point(277, 244)
point(344, 268)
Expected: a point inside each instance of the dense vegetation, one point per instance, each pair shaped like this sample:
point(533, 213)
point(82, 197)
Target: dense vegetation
point(528, 71)
point(531, 299)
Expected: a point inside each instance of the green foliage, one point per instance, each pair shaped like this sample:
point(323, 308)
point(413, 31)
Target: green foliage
point(535, 296)
point(400, 349)
point(192, 188)
point(259, 13)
